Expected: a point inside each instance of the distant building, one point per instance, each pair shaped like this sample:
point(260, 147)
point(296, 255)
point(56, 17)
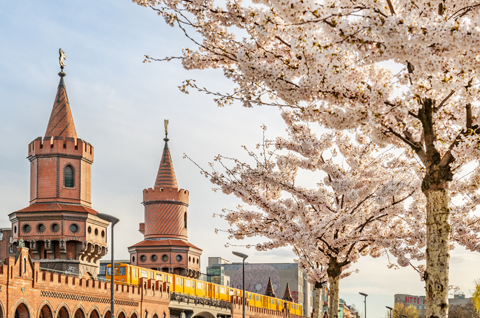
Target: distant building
point(5, 240)
point(419, 301)
point(347, 311)
point(257, 276)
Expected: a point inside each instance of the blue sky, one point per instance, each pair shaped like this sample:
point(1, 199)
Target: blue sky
point(119, 105)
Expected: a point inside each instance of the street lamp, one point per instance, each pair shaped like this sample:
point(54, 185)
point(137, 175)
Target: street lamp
point(113, 220)
point(243, 256)
point(365, 301)
point(390, 308)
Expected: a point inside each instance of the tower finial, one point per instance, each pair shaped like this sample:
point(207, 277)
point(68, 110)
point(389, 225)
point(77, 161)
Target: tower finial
point(61, 61)
point(165, 122)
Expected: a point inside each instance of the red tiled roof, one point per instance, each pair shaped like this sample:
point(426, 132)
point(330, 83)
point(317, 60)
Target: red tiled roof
point(164, 243)
point(46, 207)
point(61, 120)
point(166, 175)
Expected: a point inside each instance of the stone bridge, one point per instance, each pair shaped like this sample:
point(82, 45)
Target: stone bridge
point(28, 292)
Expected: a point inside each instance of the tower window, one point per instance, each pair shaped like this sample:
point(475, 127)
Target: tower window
point(68, 177)
point(185, 220)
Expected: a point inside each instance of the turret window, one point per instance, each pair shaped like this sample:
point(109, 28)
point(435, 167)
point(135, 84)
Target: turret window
point(185, 220)
point(68, 177)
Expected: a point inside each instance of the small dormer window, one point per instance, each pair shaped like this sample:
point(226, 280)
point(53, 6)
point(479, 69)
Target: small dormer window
point(68, 177)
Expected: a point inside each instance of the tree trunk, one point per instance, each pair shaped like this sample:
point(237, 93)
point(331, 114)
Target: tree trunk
point(438, 252)
point(318, 307)
point(334, 270)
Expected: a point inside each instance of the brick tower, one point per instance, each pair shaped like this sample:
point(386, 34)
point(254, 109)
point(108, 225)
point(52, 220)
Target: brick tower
point(59, 226)
point(165, 246)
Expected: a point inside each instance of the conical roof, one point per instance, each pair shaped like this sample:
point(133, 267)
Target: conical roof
point(166, 174)
point(61, 120)
point(288, 295)
point(270, 292)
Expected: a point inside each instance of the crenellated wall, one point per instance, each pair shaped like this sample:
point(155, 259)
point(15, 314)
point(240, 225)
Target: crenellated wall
point(167, 194)
point(60, 145)
point(24, 286)
point(48, 159)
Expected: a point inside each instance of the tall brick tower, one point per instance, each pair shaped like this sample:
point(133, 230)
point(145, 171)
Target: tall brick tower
point(59, 226)
point(165, 246)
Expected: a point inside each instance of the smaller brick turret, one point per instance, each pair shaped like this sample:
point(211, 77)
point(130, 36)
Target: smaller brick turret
point(166, 245)
point(269, 291)
point(288, 295)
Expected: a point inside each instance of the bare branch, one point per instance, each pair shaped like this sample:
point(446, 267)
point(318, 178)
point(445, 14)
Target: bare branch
point(390, 6)
point(444, 101)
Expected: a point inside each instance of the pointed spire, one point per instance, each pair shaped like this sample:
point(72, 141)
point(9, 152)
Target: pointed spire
point(270, 292)
point(61, 120)
point(288, 295)
point(166, 174)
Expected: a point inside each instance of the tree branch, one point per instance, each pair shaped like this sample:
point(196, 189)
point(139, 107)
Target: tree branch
point(444, 101)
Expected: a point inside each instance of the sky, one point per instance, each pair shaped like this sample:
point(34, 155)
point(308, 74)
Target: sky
point(119, 104)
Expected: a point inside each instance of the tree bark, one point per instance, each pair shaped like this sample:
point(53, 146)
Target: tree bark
point(318, 300)
point(334, 270)
point(438, 252)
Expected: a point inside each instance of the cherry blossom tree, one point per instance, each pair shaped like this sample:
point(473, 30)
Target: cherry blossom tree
point(402, 71)
point(358, 209)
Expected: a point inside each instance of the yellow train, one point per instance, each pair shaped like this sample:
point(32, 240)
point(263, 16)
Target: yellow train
point(130, 275)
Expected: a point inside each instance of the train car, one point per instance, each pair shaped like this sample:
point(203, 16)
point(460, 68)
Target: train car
point(178, 283)
point(201, 289)
point(271, 303)
point(258, 300)
point(129, 274)
point(122, 273)
point(300, 310)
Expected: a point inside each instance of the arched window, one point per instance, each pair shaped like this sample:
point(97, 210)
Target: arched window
point(185, 220)
point(68, 177)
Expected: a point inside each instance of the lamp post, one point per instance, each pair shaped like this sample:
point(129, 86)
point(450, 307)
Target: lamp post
point(390, 308)
point(365, 301)
point(243, 256)
point(113, 220)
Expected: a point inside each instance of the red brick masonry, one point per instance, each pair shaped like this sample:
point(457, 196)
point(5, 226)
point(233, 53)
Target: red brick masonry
point(28, 292)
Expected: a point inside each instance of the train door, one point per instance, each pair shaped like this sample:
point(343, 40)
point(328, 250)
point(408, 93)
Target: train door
point(250, 301)
point(210, 290)
point(187, 288)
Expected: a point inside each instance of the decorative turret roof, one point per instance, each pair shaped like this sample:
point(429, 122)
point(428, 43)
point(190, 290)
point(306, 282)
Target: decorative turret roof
point(61, 120)
point(166, 174)
point(270, 292)
point(288, 295)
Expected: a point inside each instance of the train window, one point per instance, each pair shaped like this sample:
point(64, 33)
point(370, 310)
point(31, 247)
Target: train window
point(159, 277)
point(176, 280)
point(222, 290)
point(257, 298)
point(187, 282)
point(199, 285)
